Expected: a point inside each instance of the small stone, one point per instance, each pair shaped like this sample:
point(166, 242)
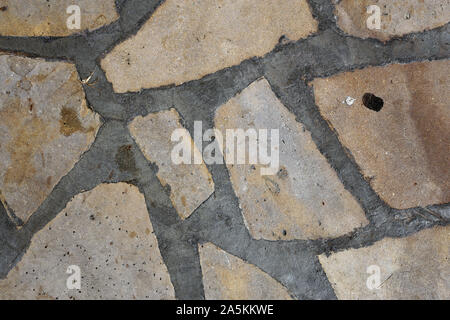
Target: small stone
point(288, 204)
point(25, 18)
point(186, 40)
point(403, 149)
point(350, 101)
point(45, 126)
point(226, 277)
point(190, 184)
point(397, 17)
point(415, 267)
point(113, 264)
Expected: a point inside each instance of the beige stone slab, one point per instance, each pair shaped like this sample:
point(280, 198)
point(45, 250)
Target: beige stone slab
point(186, 40)
point(107, 233)
point(45, 126)
point(24, 18)
point(416, 267)
point(304, 199)
point(403, 150)
point(226, 277)
point(397, 17)
point(190, 184)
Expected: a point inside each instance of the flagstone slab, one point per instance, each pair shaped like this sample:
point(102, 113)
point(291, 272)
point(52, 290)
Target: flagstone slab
point(226, 277)
point(33, 18)
point(403, 149)
point(415, 267)
point(105, 232)
point(190, 184)
point(397, 17)
point(186, 40)
point(303, 198)
point(45, 126)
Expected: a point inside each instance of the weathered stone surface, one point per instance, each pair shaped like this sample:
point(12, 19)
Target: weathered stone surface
point(108, 234)
point(186, 40)
point(190, 184)
point(45, 126)
point(403, 149)
point(397, 17)
point(49, 17)
point(305, 199)
point(226, 277)
point(416, 267)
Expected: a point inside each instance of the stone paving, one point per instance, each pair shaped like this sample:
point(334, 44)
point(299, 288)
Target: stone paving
point(358, 206)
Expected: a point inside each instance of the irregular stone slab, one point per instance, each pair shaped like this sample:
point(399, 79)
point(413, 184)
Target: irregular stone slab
point(416, 267)
point(45, 126)
point(305, 199)
point(25, 18)
point(397, 17)
point(226, 277)
point(107, 233)
point(186, 40)
point(190, 184)
point(402, 149)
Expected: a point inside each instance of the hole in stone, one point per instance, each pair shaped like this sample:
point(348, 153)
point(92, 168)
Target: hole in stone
point(373, 102)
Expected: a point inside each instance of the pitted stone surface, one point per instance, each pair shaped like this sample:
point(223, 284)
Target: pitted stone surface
point(403, 149)
point(45, 126)
point(186, 40)
point(226, 277)
point(108, 234)
point(49, 17)
point(190, 184)
point(415, 267)
point(397, 17)
point(305, 198)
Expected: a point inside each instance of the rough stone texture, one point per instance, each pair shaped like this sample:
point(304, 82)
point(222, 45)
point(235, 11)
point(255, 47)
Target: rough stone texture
point(397, 17)
point(190, 184)
point(108, 234)
point(226, 277)
point(403, 149)
point(45, 126)
point(114, 156)
point(49, 17)
point(186, 40)
point(416, 267)
point(305, 199)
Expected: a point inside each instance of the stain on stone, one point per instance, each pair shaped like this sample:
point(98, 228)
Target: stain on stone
point(183, 201)
point(125, 159)
point(69, 123)
point(49, 181)
point(26, 142)
point(429, 112)
point(132, 235)
point(373, 102)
